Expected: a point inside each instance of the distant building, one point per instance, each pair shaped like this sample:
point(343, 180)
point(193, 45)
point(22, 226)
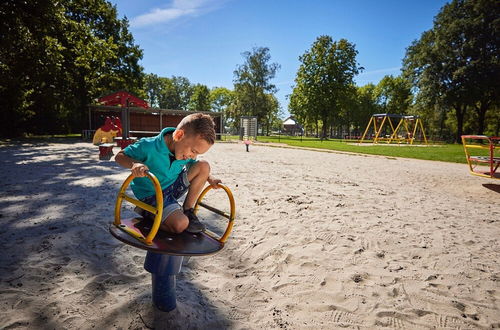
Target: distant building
point(292, 127)
point(137, 118)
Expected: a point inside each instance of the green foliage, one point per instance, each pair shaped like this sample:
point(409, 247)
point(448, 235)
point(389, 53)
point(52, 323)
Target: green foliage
point(200, 99)
point(455, 65)
point(366, 105)
point(57, 56)
point(222, 100)
point(324, 82)
point(394, 94)
point(175, 93)
point(252, 87)
point(153, 87)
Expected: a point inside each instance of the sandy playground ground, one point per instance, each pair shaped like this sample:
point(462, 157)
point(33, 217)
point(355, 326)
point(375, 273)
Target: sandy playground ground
point(321, 241)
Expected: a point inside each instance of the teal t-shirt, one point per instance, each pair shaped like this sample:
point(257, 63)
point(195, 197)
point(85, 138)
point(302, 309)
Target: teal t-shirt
point(154, 153)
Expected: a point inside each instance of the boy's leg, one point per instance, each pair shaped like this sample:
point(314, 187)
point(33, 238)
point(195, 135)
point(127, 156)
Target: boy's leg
point(176, 222)
point(197, 176)
point(179, 220)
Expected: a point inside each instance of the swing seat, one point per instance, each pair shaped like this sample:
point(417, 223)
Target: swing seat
point(183, 244)
point(144, 233)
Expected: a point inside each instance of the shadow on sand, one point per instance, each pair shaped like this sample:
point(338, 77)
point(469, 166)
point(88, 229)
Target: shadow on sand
point(58, 261)
point(492, 186)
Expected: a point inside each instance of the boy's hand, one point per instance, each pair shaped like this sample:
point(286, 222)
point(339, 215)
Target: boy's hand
point(214, 182)
point(139, 170)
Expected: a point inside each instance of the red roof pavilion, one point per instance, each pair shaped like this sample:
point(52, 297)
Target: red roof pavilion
point(120, 99)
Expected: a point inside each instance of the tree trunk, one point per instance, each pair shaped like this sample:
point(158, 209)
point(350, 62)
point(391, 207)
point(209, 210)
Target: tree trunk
point(481, 115)
point(460, 113)
point(324, 128)
point(442, 118)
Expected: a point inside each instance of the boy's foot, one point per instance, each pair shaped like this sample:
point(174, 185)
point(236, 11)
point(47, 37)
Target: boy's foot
point(143, 213)
point(139, 211)
point(195, 226)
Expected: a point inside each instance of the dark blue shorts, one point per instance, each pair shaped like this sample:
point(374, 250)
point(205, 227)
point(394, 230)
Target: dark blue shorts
point(170, 196)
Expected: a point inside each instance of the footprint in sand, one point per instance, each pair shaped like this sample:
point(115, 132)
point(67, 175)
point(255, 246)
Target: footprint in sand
point(394, 320)
point(286, 288)
point(344, 318)
point(234, 314)
point(452, 322)
point(328, 237)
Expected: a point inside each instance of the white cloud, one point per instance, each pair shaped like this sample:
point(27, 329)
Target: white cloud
point(177, 9)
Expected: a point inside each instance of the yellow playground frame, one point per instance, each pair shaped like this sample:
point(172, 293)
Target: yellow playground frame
point(477, 143)
point(410, 124)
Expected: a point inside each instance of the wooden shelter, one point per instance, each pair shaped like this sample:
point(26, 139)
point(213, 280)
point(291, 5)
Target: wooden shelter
point(122, 99)
point(292, 127)
point(139, 122)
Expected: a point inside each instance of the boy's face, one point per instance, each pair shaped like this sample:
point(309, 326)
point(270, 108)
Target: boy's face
point(189, 146)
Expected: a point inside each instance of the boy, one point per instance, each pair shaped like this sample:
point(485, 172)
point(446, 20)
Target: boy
point(171, 157)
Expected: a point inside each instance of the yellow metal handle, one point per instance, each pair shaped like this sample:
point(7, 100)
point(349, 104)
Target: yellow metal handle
point(230, 215)
point(157, 211)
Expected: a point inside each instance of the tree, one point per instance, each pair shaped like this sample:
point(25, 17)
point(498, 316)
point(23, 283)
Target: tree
point(298, 108)
point(272, 113)
point(366, 106)
point(56, 57)
point(221, 100)
point(175, 93)
point(325, 79)
point(200, 98)
point(394, 94)
point(153, 87)
point(455, 65)
point(252, 84)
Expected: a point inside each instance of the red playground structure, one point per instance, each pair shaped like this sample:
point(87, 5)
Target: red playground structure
point(104, 137)
point(112, 131)
point(123, 99)
point(480, 155)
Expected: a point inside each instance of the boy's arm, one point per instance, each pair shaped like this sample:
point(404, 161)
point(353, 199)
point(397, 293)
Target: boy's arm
point(213, 181)
point(138, 168)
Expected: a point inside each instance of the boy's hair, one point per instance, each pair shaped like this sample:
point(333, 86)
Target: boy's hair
point(199, 124)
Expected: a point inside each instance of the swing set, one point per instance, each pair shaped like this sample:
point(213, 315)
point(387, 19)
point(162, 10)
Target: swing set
point(394, 128)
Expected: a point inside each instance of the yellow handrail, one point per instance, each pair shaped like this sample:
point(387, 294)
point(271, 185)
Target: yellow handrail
point(230, 216)
point(474, 161)
point(157, 211)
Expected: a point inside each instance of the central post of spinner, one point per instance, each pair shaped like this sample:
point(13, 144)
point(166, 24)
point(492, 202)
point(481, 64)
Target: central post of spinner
point(165, 251)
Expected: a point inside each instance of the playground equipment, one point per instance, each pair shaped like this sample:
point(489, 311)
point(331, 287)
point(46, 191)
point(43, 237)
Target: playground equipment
point(165, 250)
point(248, 127)
point(384, 129)
point(107, 134)
point(483, 149)
point(247, 144)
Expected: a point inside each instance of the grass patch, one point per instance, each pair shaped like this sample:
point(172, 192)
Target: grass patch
point(42, 138)
point(441, 152)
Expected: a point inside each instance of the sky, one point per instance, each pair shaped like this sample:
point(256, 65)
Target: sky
point(203, 40)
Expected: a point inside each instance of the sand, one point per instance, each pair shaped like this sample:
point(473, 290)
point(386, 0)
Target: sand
point(321, 241)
